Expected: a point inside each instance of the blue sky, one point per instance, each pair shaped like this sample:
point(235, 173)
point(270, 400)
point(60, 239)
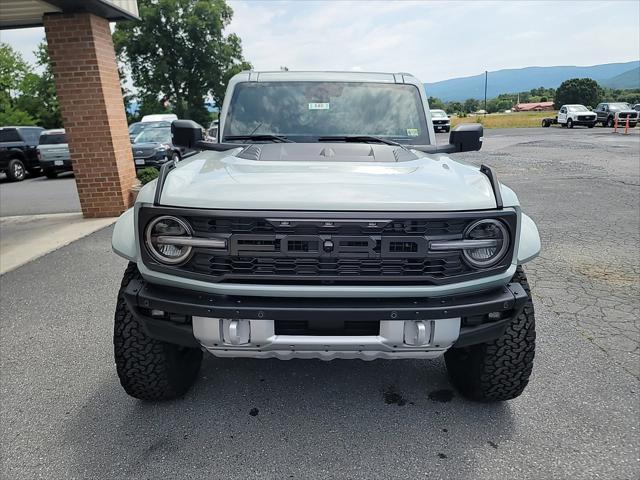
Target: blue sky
point(432, 39)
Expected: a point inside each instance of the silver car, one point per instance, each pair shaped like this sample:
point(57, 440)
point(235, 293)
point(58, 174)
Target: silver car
point(53, 153)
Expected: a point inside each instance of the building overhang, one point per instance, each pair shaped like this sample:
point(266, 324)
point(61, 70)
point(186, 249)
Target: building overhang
point(30, 13)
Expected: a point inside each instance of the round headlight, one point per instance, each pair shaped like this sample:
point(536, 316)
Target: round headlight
point(162, 237)
point(498, 242)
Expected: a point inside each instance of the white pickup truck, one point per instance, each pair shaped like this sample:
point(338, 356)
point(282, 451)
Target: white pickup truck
point(570, 115)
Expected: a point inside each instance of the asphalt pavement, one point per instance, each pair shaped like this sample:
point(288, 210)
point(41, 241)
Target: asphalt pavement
point(64, 415)
point(39, 195)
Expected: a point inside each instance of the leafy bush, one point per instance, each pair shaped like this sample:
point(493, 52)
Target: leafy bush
point(148, 174)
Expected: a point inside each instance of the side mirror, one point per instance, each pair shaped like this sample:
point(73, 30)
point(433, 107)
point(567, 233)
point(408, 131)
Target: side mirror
point(186, 133)
point(466, 137)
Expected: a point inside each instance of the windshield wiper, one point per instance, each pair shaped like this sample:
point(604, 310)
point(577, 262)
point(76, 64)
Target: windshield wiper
point(359, 139)
point(259, 137)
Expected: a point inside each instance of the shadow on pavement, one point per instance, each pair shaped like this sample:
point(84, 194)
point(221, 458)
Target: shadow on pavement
point(290, 419)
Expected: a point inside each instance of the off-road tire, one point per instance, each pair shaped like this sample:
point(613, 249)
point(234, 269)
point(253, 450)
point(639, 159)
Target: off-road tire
point(609, 122)
point(16, 171)
point(498, 370)
point(149, 369)
point(569, 123)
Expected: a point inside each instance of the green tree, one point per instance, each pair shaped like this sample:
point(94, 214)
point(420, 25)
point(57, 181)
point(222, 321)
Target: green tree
point(436, 104)
point(13, 70)
point(584, 91)
point(454, 107)
point(470, 105)
point(38, 96)
point(178, 52)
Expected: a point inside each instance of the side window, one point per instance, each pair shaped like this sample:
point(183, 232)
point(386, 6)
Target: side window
point(563, 110)
point(9, 135)
point(31, 135)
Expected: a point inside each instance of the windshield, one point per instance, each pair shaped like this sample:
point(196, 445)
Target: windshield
point(304, 111)
point(154, 135)
point(618, 106)
point(52, 138)
point(136, 128)
point(438, 114)
point(577, 108)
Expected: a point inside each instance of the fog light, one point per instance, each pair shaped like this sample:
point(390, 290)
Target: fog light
point(236, 332)
point(417, 333)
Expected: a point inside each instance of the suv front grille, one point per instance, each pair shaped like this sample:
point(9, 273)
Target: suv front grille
point(250, 268)
point(328, 249)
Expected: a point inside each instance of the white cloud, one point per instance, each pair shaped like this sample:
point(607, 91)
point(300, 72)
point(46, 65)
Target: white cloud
point(435, 40)
point(24, 41)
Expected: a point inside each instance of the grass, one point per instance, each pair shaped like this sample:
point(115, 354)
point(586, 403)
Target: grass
point(505, 120)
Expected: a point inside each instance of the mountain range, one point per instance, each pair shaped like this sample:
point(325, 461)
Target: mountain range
point(614, 75)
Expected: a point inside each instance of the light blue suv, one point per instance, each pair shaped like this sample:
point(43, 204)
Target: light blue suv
point(325, 222)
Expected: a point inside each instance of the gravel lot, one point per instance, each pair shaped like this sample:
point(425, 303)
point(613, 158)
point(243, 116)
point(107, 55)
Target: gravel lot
point(63, 414)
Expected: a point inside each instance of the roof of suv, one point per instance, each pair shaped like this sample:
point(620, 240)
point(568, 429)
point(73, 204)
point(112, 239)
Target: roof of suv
point(336, 76)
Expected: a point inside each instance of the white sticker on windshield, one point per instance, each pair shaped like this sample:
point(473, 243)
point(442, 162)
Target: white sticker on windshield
point(412, 132)
point(318, 106)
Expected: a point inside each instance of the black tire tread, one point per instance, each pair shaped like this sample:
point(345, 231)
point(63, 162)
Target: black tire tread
point(149, 369)
point(498, 370)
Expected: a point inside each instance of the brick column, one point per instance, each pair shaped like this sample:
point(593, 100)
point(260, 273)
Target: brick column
point(88, 87)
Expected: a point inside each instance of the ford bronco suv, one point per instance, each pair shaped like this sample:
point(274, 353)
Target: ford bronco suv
point(325, 223)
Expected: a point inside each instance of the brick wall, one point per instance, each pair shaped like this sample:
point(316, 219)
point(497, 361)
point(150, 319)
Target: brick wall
point(88, 87)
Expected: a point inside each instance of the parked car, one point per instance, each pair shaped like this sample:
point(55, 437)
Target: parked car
point(153, 147)
point(317, 228)
point(53, 152)
point(137, 128)
point(575, 114)
point(441, 121)
point(18, 153)
point(159, 117)
point(608, 112)
point(212, 133)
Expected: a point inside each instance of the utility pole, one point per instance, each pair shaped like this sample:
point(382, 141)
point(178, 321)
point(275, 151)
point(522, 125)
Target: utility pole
point(485, 90)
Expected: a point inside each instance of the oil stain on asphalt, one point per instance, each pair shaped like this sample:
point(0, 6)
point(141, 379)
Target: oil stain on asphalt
point(393, 397)
point(442, 396)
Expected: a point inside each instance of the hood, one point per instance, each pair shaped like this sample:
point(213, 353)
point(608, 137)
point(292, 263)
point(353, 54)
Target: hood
point(332, 177)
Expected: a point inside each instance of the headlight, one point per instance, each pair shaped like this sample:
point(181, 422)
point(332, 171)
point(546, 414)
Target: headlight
point(495, 237)
point(163, 237)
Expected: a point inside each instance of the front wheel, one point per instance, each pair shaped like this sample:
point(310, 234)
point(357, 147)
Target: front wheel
point(148, 368)
point(16, 172)
point(591, 125)
point(569, 123)
point(498, 370)
point(609, 122)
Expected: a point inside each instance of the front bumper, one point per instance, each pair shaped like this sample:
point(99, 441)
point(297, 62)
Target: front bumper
point(248, 326)
point(156, 160)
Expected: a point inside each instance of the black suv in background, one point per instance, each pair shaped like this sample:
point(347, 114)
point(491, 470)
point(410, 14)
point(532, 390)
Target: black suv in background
point(153, 146)
point(607, 113)
point(18, 153)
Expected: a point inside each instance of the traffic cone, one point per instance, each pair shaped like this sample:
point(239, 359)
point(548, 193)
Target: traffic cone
point(626, 126)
